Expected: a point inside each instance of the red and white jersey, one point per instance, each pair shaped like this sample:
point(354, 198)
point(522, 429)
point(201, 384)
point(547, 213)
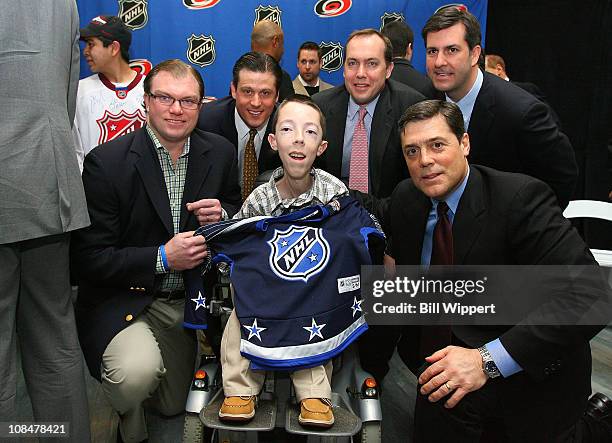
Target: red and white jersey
point(106, 111)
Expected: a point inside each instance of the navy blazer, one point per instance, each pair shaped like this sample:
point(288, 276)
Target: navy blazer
point(114, 259)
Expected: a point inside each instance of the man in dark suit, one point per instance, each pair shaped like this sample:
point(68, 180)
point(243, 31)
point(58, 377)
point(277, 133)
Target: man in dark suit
point(249, 109)
point(146, 193)
point(509, 129)
point(364, 113)
point(402, 39)
point(507, 375)
point(495, 64)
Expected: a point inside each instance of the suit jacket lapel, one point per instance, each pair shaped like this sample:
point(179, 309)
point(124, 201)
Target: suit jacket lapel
point(198, 168)
point(482, 117)
point(382, 123)
point(416, 211)
point(150, 172)
point(468, 220)
point(336, 123)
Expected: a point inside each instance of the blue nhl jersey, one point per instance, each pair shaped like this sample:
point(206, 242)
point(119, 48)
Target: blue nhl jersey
point(296, 281)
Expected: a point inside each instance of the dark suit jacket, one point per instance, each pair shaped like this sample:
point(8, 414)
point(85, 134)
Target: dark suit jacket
point(512, 131)
point(387, 165)
point(218, 117)
point(511, 219)
point(114, 259)
point(404, 72)
point(286, 87)
point(534, 90)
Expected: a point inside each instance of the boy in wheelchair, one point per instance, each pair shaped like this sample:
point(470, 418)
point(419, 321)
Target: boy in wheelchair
point(299, 129)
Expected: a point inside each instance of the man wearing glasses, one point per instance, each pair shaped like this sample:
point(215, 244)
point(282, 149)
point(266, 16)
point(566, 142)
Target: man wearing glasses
point(147, 192)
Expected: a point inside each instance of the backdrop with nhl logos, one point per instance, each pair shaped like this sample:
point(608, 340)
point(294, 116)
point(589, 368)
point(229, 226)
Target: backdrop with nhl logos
point(212, 34)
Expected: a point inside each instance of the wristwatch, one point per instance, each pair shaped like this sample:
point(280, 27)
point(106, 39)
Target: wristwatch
point(488, 365)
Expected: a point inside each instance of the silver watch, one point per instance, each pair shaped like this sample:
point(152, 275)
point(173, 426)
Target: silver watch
point(488, 365)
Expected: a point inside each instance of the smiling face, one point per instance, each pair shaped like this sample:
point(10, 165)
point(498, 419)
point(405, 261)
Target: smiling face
point(172, 124)
point(436, 159)
point(365, 69)
point(298, 139)
point(255, 96)
point(451, 66)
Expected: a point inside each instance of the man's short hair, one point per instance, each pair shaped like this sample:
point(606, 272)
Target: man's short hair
point(257, 62)
point(178, 69)
point(428, 109)
point(400, 35)
point(447, 17)
point(309, 46)
point(305, 100)
point(368, 32)
point(492, 60)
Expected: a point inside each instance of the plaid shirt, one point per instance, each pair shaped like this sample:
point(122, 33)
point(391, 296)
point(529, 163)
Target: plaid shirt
point(266, 200)
point(174, 176)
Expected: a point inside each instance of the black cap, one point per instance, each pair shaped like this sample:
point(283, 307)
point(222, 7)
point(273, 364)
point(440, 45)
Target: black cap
point(109, 27)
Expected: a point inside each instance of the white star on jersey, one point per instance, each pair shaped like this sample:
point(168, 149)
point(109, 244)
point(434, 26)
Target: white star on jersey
point(199, 301)
point(356, 306)
point(254, 330)
point(314, 329)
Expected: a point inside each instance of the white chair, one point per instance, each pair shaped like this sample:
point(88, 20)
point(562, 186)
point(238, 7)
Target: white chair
point(592, 209)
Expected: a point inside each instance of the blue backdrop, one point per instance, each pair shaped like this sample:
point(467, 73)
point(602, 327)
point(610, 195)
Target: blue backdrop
point(212, 34)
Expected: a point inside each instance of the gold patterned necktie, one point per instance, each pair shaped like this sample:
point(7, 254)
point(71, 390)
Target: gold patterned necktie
point(249, 165)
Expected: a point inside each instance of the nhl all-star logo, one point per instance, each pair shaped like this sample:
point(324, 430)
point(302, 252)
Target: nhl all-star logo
point(133, 13)
point(389, 17)
point(298, 253)
point(113, 126)
point(331, 56)
point(271, 13)
point(201, 50)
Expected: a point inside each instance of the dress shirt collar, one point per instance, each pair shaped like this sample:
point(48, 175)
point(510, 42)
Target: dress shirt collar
point(466, 104)
point(243, 129)
point(453, 199)
point(303, 82)
point(353, 108)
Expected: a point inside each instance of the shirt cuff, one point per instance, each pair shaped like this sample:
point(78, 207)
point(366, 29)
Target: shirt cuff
point(505, 363)
point(159, 266)
point(224, 214)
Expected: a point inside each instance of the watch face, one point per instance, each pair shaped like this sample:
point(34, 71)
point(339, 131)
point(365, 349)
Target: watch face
point(491, 367)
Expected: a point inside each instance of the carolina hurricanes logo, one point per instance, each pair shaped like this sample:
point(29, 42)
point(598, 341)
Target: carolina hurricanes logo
point(114, 126)
point(200, 4)
point(459, 6)
point(332, 8)
point(141, 65)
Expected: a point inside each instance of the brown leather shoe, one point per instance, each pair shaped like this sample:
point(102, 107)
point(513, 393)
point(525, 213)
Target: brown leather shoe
point(316, 412)
point(237, 408)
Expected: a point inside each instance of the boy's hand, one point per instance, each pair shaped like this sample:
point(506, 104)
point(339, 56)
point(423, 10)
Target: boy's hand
point(207, 210)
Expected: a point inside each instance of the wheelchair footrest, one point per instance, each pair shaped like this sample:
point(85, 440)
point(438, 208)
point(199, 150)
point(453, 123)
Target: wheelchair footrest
point(265, 416)
point(346, 423)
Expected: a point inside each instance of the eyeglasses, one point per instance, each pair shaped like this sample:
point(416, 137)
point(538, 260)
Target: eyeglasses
point(186, 103)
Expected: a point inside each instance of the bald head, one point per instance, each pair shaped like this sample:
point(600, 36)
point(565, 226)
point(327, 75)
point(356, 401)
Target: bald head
point(268, 37)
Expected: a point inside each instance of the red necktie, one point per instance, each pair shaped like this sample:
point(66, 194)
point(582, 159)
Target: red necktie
point(249, 165)
point(436, 337)
point(358, 173)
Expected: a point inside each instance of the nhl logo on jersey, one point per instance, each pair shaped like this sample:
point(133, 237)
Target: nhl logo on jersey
point(113, 126)
point(272, 13)
point(298, 253)
point(389, 17)
point(201, 50)
point(331, 56)
point(133, 13)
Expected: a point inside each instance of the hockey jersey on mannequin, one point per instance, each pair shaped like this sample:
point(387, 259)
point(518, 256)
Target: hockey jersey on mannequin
point(106, 111)
point(296, 281)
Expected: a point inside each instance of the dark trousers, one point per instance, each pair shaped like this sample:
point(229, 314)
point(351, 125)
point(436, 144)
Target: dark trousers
point(36, 310)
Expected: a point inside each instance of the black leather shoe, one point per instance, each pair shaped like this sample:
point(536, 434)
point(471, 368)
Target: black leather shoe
point(599, 407)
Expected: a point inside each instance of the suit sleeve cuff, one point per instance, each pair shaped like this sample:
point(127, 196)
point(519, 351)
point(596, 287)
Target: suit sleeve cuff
point(505, 363)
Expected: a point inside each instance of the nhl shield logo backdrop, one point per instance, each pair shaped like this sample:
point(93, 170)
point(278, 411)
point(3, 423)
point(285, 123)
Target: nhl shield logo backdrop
point(271, 13)
point(133, 13)
point(389, 17)
point(331, 56)
point(201, 50)
point(298, 253)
